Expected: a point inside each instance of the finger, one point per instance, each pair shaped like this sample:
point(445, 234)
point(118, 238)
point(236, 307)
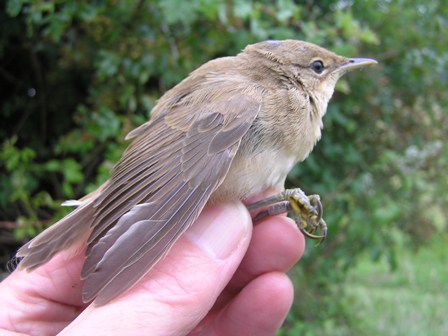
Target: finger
point(259, 309)
point(276, 245)
point(181, 289)
point(45, 300)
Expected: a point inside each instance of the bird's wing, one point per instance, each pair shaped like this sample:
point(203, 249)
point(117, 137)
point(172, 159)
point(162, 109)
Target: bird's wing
point(159, 187)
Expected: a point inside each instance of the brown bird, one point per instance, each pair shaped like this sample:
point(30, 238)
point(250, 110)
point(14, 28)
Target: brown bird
point(232, 129)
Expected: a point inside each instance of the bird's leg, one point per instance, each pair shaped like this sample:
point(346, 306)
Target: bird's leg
point(306, 211)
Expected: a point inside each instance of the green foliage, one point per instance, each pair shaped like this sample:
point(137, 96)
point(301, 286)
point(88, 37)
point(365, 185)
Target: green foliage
point(375, 301)
point(413, 299)
point(78, 75)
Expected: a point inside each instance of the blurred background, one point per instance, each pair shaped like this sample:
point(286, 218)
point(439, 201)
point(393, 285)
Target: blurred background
point(77, 76)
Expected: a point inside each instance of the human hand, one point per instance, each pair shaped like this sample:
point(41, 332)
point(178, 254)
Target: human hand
point(223, 277)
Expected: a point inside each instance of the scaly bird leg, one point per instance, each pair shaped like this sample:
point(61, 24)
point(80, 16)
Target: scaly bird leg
point(307, 211)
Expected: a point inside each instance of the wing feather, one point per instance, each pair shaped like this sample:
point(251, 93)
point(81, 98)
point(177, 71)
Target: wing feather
point(159, 188)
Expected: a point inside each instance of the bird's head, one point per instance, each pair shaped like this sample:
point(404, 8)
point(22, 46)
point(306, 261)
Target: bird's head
point(312, 68)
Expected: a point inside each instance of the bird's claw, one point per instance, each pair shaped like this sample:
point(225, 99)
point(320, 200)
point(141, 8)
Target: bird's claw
point(307, 211)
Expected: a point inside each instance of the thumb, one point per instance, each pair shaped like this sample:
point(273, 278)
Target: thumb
point(176, 295)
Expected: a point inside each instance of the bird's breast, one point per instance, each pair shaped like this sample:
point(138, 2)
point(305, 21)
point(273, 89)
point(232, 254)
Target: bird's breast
point(283, 133)
point(251, 174)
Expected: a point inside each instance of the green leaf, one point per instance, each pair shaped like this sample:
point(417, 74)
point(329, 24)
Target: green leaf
point(72, 171)
point(13, 7)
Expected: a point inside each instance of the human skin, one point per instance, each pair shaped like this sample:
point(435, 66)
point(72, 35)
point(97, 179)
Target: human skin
point(223, 277)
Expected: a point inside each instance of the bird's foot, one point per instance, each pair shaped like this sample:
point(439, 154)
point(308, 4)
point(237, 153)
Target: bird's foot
point(307, 211)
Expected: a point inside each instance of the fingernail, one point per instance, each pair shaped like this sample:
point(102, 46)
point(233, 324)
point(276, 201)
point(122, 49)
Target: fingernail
point(221, 229)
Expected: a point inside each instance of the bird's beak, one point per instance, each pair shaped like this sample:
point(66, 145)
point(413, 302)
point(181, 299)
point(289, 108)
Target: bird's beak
point(355, 63)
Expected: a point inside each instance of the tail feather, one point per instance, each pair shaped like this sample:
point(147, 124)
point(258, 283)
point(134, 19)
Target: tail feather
point(64, 234)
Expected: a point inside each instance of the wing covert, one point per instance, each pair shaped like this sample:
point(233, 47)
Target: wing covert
point(159, 188)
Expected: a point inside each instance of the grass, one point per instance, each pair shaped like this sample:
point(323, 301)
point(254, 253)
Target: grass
point(409, 301)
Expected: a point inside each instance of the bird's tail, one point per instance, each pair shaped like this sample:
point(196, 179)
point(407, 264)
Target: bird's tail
point(68, 233)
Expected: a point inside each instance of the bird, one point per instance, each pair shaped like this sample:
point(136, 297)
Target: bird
point(233, 128)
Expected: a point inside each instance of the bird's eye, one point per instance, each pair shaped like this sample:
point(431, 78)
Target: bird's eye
point(317, 66)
